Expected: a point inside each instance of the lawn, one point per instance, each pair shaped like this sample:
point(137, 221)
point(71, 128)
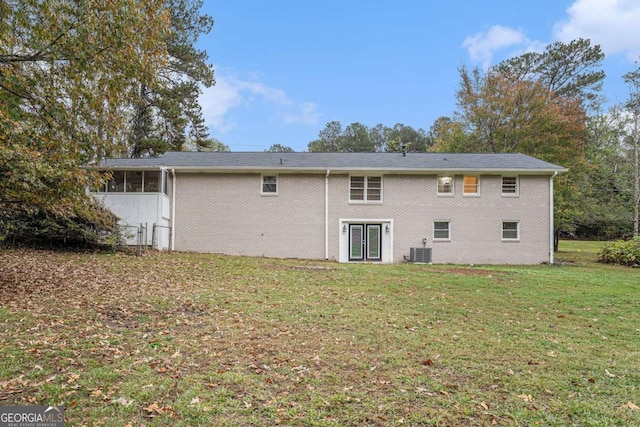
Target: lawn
point(188, 339)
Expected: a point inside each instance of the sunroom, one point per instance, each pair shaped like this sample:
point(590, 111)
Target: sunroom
point(140, 198)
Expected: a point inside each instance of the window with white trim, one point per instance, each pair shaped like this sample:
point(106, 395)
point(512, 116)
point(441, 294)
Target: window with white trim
point(510, 230)
point(445, 185)
point(509, 185)
point(441, 230)
point(131, 182)
point(269, 185)
point(471, 185)
point(365, 189)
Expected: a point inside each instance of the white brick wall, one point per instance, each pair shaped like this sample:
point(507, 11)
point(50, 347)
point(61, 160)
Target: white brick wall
point(226, 213)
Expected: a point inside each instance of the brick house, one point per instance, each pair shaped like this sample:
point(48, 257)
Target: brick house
point(348, 207)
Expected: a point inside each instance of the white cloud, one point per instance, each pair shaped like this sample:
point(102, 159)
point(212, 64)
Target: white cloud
point(613, 24)
point(269, 94)
point(483, 45)
point(307, 115)
point(231, 92)
point(216, 101)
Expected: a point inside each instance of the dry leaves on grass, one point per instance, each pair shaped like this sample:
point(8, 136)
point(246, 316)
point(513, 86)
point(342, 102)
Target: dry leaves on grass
point(631, 406)
point(526, 397)
point(154, 410)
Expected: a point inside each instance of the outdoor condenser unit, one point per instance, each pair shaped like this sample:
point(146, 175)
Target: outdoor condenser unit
point(420, 255)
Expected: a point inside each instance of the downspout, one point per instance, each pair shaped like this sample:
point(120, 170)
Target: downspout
point(160, 205)
point(173, 210)
point(551, 228)
point(326, 214)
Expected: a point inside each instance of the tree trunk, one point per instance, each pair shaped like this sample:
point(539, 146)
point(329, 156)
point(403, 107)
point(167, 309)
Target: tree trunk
point(636, 192)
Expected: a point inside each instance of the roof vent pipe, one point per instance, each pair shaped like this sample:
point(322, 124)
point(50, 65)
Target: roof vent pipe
point(404, 149)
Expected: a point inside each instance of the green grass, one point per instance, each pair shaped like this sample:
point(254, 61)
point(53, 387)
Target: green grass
point(192, 339)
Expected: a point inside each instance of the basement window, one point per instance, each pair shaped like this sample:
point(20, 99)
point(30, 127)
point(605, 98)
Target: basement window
point(510, 230)
point(441, 230)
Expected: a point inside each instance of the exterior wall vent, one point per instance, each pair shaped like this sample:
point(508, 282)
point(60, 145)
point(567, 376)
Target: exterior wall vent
point(420, 255)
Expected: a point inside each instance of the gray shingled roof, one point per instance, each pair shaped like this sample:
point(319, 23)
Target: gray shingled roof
point(338, 161)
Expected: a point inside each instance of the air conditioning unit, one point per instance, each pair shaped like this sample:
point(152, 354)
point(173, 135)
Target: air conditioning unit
point(420, 255)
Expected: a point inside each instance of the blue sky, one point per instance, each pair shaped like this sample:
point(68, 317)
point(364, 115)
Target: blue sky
point(286, 68)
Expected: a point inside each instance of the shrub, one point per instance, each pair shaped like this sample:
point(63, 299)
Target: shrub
point(86, 225)
point(623, 252)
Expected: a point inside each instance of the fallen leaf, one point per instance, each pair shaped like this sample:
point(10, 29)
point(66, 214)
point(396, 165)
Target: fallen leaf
point(72, 378)
point(526, 397)
point(152, 408)
point(96, 393)
point(121, 400)
point(631, 406)
point(195, 400)
point(427, 362)
point(609, 374)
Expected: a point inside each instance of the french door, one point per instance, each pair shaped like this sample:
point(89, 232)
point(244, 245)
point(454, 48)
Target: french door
point(365, 242)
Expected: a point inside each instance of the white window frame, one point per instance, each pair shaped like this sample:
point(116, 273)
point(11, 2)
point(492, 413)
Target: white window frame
point(262, 184)
point(442, 239)
point(516, 185)
point(452, 185)
point(477, 192)
point(510, 239)
point(161, 180)
point(365, 196)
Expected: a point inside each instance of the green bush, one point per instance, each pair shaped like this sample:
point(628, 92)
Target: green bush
point(623, 252)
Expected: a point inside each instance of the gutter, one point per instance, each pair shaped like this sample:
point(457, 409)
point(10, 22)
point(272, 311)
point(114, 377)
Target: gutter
point(551, 225)
point(368, 169)
point(326, 214)
point(173, 210)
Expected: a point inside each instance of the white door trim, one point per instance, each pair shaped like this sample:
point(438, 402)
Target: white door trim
point(386, 247)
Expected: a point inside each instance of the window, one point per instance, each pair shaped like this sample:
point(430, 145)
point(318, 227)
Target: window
point(152, 182)
point(164, 183)
point(445, 185)
point(116, 183)
point(471, 185)
point(269, 184)
point(133, 182)
point(97, 187)
point(365, 189)
point(441, 230)
point(509, 185)
point(510, 230)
